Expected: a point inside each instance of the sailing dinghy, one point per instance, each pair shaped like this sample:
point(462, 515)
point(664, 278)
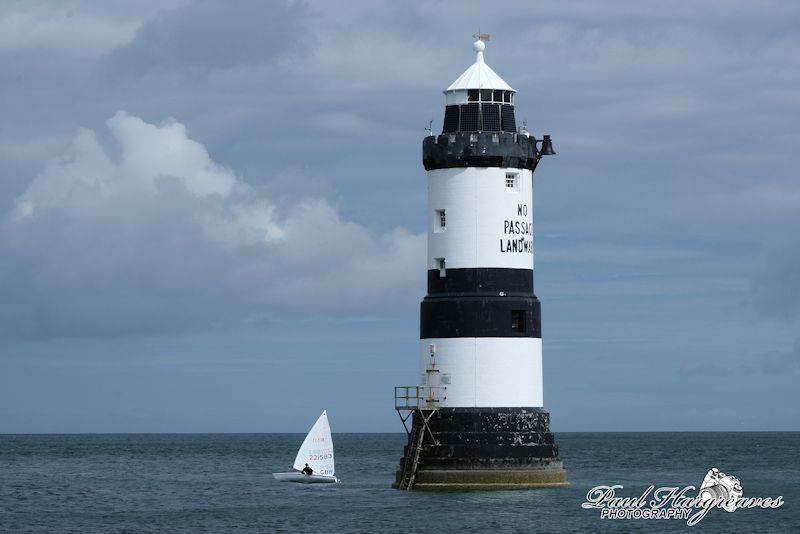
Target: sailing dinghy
point(317, 452)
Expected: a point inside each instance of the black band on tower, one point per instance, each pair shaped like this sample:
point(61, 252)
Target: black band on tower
point(442, 317)
point(481, 280)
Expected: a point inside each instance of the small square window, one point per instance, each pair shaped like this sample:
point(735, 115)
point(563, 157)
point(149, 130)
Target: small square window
point(486, 95)
point(512, 180)
point(472, 95)
point(518, 320)
point(440, 221)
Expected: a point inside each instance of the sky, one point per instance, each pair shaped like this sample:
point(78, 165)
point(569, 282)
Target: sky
point(212, 214)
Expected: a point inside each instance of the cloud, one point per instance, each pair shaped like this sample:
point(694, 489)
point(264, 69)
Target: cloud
point(779, 362)
point(58, 27)
point(207, 35)
point(676, 127)
point(164, 238)
point(776, 283)
point(773, 362)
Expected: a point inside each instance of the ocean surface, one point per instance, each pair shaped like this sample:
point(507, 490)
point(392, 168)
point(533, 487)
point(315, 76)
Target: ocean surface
point(222, 483)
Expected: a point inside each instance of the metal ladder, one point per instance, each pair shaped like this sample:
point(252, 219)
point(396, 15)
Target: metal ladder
point(410, 468)
point(422, 401)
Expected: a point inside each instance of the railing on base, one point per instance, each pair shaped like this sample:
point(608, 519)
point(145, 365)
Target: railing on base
point(418, 397)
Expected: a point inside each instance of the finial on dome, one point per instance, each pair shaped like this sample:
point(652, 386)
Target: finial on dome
point(480, 45)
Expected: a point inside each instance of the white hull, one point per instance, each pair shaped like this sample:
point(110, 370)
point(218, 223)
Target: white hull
point(301, 478)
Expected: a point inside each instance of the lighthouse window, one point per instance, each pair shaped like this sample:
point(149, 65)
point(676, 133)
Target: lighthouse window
point(512, 180)
point(450, 119)
point(440, 220)
point(518, 320)
point(486, 95)
point(507, 114)
point(469, 118)
point(472, 95)
point(491, 117)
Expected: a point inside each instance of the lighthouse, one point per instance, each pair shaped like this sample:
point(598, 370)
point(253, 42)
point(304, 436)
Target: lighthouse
point(476, 420)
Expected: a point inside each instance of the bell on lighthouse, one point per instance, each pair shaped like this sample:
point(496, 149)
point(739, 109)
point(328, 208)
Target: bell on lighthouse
point(547, 147)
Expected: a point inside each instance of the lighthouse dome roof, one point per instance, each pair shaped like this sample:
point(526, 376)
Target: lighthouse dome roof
point(479, 75)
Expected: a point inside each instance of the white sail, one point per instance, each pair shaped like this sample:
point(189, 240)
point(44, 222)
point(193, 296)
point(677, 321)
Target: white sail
point(317, 448)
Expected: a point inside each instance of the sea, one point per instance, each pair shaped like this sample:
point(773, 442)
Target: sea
point(223, 483)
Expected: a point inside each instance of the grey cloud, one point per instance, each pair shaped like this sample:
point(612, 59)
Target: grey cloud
point(676, 126)
point(205, 35)
point(163, 238)
point(779, 362)
point(776, 284)
point(773, 362)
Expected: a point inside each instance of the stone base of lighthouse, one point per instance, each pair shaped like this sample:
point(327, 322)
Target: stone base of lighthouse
point(484, 449)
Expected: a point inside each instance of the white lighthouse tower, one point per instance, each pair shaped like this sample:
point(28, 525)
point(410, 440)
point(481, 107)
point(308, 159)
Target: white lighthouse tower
point(478, 417)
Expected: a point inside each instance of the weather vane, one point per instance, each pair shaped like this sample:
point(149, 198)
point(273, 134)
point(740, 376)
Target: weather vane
point(485, 37)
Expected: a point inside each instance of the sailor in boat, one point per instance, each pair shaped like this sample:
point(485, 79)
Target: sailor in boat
point(317, 447)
